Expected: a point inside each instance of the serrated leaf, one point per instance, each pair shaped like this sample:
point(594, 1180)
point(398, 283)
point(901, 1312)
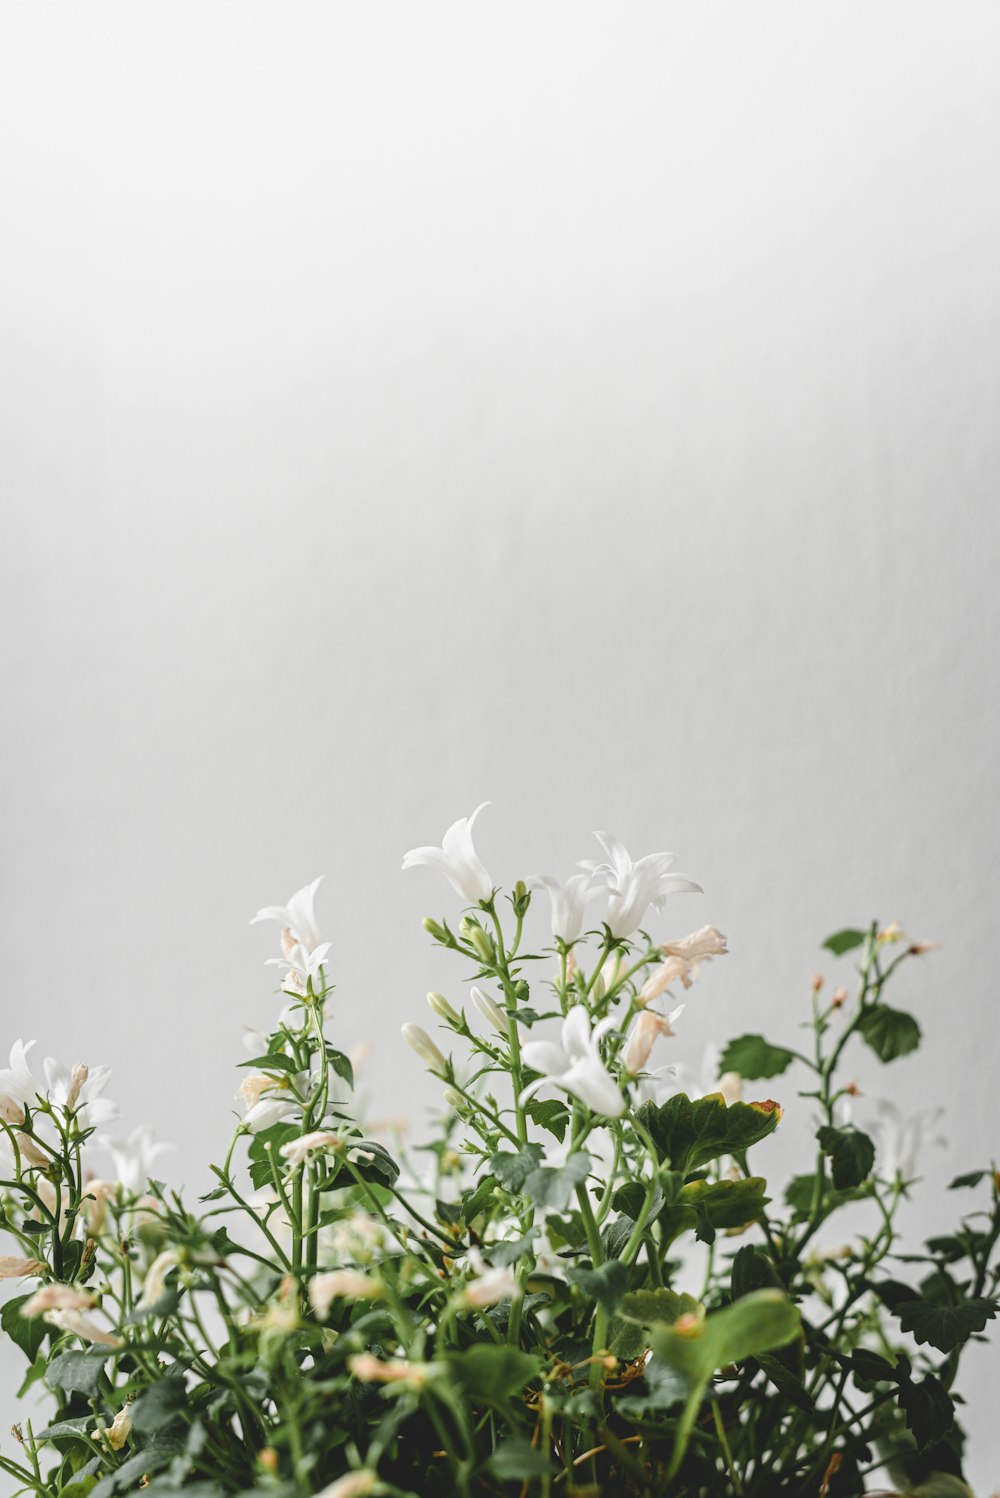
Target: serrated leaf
point(511, 1169)
point(851, 1153)
point(690, 1133)
point(553, 1186)
point(889, 1032)
point(77, 1372)
point(550, 1114)
point(845, 941)
point(945, 1327)
point(606, 1284)
point(493, 1373)
point(930, 1413)
point(755, 1058)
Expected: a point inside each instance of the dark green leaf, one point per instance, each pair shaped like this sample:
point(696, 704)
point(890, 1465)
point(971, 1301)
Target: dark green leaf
point(889, 1032)
point(159, 1405)
point(549, 1113)
point(851, 1153)
point(945, 1327)
point(606, 1284)
point(77, 1372)
point(517, 1460)
point(929, 1411)
point(491, 1372)
point(341, 1065)
point(870, 1368)
point(972, 1178)
point(514, 1169)
point(553, 1186)
point(647, 1306)
point(28, 1332)
point(276, 1062)
point(502, 1255)
point(845, 941)
point(691, 1133)
point(754, 1057)
point(785, 1381)
point(753, 1270)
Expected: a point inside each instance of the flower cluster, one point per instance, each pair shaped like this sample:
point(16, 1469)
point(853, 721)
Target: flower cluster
point(579, 1284)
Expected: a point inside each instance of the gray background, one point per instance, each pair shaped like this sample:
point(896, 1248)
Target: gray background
point(593, 408)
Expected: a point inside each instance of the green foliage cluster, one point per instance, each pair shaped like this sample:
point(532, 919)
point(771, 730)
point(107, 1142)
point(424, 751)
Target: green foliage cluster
point(574, 1304)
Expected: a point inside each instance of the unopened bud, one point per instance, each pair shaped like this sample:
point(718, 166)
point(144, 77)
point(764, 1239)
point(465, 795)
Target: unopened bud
point(521, 898)
point(817, 982)
point(454, 1099)
point(482, 943)
point(443, 1009)
point(10, 1112)
point(489, 1009)
point(268, 1458)
point(419, 1041)
point(892, 932)
point(838, 998)
point(440, 933)
point(78, 1076)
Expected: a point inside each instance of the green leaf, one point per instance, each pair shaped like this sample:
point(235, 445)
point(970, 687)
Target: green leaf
point(760, 1322)
point(941, 1485)
point(786, 1382)
point(851, 1153)
point(491, 1372)
point(477, 1200)
point(945, 1327)
point(689, 1134)
point(159, 1405)
point(379, 1166)
point(514, 1169)
point(647, 1306)
point(714, 1204)
point(341, 1065)
point(517, 1460)
point(265, 1145)
point(889, 1032)
point(845, 941)
point(550, 1114)
point(553, 1186)
point(753, 1270)
point(870, 1368)
point(77, 1372)
point(972, 1178)
point(69, 1429)
point(28, 1332)
point(754, 1057)
point(276, 1062)
point(606, 1284)
point(930, 1413)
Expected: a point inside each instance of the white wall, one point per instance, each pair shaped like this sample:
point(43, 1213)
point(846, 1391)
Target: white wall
point(589, 407)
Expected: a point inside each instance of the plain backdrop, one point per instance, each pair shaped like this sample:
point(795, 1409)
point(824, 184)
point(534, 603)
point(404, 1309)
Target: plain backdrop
point(592, 408)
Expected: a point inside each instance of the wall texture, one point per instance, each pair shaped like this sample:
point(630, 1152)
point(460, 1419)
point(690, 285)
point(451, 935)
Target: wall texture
point(593, 408)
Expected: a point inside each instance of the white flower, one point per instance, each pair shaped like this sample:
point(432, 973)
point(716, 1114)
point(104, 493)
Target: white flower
point(19, 1269)
point(707, 941)
point(569, 901)
point(81, 1326)
point(636, 886)
point(419, 1041)
point(298, 1150)
point(134, 1157)
point(357, 1236)
point(297, 918)
point(488, 1284)
point(489, 1009)
point(900, 1138)
point(80, 1088)
point(17, 1081)
point(56, 1297)
point(457, 861)
point(574, 1063)
point(337, 1284)
point(648, 1027)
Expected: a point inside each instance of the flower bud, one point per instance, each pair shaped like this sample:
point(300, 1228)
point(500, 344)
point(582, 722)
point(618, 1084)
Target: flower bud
point(419, 1041)
point(10, 1111)
point(489, 1009)
point(444, 1010)
point(78, 1076)
point(482, 944)
point(817, 982)
point(454, 1099)
point(440, 933)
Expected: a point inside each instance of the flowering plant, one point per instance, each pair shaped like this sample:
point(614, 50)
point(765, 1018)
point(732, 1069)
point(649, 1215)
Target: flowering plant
point(590, 1290)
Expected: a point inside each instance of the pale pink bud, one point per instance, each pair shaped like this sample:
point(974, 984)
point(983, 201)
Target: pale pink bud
point(352, 1485)
point(662, 977)
point(78, 1076)
point(56, 1297)
point(372, 1370)
point(10, 1112)
point(707, 941)
point(647, 1029)
point(19, 1269)
point(81, 1326)
point(341, 1284)
point(297, 1150)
